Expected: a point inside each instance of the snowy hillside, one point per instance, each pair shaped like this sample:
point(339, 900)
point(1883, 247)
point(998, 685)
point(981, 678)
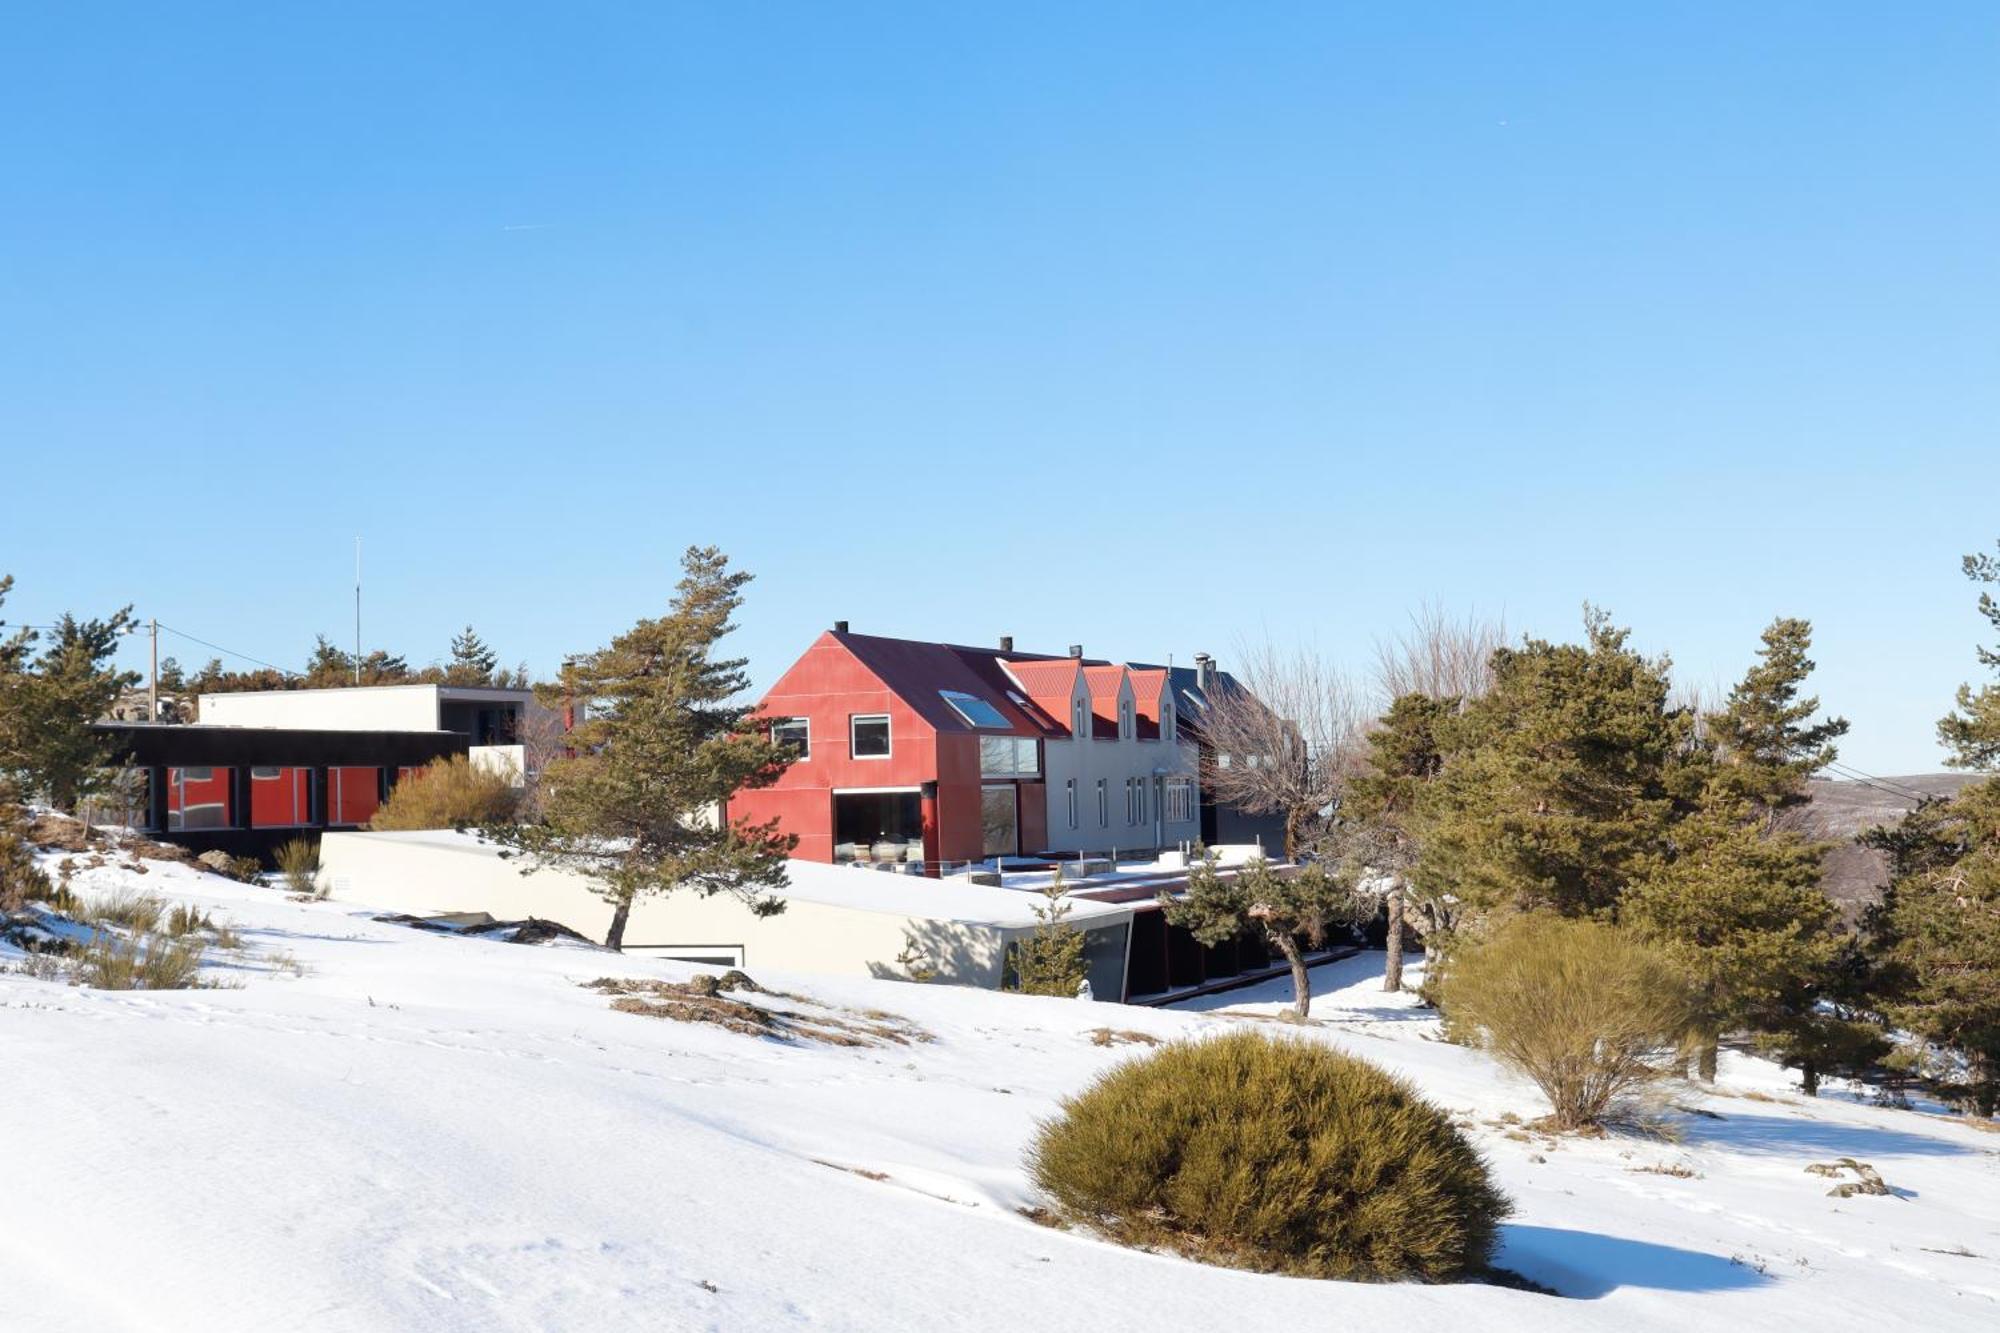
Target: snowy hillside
point(414, 1131)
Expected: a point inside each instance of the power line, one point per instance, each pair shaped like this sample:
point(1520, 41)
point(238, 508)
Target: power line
point(1888, 786)
point(229, 651)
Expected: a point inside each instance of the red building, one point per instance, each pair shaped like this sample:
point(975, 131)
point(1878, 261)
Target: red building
point(937, 753)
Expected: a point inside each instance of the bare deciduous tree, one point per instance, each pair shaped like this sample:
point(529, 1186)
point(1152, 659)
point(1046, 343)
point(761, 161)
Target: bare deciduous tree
point(1285, 743)
point(1439, 656)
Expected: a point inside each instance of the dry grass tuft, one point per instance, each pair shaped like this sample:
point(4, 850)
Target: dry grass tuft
point(128, 910)
point(138, 962)
point(1122, 1037)
point(706, 999)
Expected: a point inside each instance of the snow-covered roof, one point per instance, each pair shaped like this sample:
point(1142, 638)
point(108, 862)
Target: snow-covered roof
point(858, 888)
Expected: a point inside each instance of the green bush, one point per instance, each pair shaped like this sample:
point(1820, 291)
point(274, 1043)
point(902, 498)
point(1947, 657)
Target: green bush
point(298, 862)
point(1272, 1153)
point(448, 793)
point(1588, 1012)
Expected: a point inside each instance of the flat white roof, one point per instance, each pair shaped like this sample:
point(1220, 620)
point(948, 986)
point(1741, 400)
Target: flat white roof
point(848, 886)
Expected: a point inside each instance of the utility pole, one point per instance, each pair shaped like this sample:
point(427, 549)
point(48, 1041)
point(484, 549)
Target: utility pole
point(153, 688)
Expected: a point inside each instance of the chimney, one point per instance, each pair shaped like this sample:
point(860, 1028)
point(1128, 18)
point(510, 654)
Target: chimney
point(1076, 650)
point(1204, 672)
point(1006, 643)
point(840, 627)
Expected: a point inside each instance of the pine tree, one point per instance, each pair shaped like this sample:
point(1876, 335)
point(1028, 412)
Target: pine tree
point(1733, 896)
point(1828, 1024)
point(1740, 911)
point(1292, 912)
point(331, 668)
point(1558, 782)
point(1972, 732)
point(1050, 961)
point(1938, 929)
point(661, 746)
point(472, 662)
point(1765, 742)
point(1378, 818)
point(47, 709)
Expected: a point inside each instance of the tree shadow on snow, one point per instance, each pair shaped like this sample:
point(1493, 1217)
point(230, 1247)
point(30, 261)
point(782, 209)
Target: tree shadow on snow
point(1585, 1265)
point(1795, 1135)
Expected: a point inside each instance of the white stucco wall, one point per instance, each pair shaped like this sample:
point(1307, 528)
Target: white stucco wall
point(363, 708)
point(837, 919)
point(1114, 761)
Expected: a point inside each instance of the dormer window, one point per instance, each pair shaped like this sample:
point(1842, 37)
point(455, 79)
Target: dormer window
point(1080, 718)
point(1167, 732)
point(1125, 731)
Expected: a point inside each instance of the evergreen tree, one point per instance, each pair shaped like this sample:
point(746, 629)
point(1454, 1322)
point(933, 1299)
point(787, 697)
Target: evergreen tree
point(1559, 781)
point(1051, 961)
point(1740, 911)
point(1292, 912)
point(1732, 896)
point(660, 747)
point(472, 662)
point(1827, 1024)
point(330, 668)
point(1377, 838)
point(47, 710)
point(1972, 732)
point(1938, 928)
point(1765, 742)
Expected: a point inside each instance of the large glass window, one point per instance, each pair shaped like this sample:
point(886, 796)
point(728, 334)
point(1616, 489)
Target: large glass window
point(1009, 757)
point(975, 710)
point(280, 797)
point(198, 798)
point(868, 735)
point(795, 732)
point(998, 818)
point(1180, 800)
point(352, 795)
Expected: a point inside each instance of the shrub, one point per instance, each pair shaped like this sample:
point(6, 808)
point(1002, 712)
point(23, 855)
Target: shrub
point(298, 862)
point(1586, 1011)
point(133, 911)
point(1276, 1154)
point(186, 919)
point(447, 793)
point(20, 878)
point(140, 962)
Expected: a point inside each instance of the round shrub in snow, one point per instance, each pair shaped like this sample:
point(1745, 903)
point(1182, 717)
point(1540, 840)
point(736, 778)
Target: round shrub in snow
point(1273, 1153)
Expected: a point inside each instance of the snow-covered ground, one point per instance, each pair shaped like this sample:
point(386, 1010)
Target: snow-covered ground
point(427, 1132)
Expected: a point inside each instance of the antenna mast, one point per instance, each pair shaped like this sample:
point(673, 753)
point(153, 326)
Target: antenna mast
point(357, 610)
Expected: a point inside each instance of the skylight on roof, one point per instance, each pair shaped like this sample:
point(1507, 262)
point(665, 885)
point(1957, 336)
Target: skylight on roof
point(975, 710)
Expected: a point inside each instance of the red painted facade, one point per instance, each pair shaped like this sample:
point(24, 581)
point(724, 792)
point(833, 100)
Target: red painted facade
point(933, 768)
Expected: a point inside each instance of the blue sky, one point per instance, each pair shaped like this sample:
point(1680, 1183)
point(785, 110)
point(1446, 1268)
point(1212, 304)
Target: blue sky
point(1162, 328)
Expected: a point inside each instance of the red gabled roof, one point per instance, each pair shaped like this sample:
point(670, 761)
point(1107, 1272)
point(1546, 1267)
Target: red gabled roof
point(1149, 685)
point(916, 672)
point(1105, 684)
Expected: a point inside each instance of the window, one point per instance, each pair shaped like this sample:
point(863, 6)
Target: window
point(1070, 788)
point(198, 798)
point(1009, 757)
point(1133, 796)
point(1167, 732)
point(280, 797)
point(868, 735)
point(352, 794)
point(1079, 712)
point(1124, 719)
point(1139, 786)
point(975, 710)
point(794, 732)
point(1104, 802)
point(1180, 800)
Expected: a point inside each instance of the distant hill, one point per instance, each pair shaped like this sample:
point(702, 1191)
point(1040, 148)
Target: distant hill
point(1841, 811)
